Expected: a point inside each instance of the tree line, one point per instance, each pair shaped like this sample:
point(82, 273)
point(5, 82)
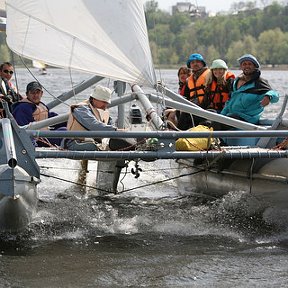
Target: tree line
point(262, 32)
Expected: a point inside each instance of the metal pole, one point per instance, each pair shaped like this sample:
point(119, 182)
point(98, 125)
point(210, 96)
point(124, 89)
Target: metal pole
point(266, 142)
point(149, 109)
point(47, 122)
point(110, 155)
point(198, 111)
point(9, 143)
point(174, 96)
point(120, 89)
point(64, 117)
point(157, 134)
point(78, 89)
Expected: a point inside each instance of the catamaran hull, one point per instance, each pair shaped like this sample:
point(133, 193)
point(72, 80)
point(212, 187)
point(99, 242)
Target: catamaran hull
point(268, 183)
point(18, 198)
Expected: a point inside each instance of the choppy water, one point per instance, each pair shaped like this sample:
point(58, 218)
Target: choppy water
point(148, 237)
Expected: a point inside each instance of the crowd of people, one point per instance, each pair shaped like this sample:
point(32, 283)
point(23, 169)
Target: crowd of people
point(89, 115)
point(215, 89)
point(218, 90)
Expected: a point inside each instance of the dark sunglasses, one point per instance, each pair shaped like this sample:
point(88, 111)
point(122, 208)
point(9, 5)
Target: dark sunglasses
point(8, 72)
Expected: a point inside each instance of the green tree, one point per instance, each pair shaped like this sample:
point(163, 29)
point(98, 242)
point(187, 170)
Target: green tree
point(226, 37)
point(178, 22)
point(162, 36)
point(238, 48)
point(270, 42)
point(151, 7)
point(211, 54)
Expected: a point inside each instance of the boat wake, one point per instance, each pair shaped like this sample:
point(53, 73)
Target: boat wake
point(244, 212)
point(76, 217)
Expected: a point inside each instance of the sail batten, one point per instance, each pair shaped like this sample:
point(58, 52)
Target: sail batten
point(107, 38)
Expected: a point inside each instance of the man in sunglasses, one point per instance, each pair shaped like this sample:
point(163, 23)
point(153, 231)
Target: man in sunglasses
point(8, 91)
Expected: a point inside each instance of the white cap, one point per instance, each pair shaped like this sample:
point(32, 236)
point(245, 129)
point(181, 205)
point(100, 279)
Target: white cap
point(102, 93)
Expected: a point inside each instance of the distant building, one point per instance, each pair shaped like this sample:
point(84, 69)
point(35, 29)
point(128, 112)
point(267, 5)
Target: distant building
point(187, 7)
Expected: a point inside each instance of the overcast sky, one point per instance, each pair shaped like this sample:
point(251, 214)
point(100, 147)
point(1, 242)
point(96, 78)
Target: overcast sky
point(211, 5)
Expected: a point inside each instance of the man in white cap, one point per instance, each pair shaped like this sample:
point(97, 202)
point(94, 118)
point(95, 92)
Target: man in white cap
point(90, 115)
point(250, 92)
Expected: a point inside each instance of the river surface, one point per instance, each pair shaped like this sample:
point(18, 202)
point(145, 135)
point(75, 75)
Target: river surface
point(149, 236)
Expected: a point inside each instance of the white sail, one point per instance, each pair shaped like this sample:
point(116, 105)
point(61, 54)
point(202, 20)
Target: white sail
point(105, 37)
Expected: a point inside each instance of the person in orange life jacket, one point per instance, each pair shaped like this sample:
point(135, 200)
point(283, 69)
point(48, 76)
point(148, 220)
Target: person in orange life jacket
point(8, 91)
point(172, 114)
point(218, 85)
point(194, 90)
point(91, 115)
point(33, 109)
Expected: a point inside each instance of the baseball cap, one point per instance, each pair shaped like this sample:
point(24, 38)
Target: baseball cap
point(32, 86)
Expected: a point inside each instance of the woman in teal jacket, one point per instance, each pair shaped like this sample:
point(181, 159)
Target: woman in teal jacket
point(250, 93)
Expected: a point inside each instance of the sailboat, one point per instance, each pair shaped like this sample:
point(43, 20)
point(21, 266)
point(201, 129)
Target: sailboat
point(40, 65)
point(117, 50)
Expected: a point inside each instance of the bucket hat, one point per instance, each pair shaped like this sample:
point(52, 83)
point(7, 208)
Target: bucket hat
point(102, 93)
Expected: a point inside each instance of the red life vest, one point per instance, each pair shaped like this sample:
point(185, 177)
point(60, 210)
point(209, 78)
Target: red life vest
point(219, 94)
point(181, 88)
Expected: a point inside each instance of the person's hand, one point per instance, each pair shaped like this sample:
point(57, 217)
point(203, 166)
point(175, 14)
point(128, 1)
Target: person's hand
point(265, 101)
point(2, 113)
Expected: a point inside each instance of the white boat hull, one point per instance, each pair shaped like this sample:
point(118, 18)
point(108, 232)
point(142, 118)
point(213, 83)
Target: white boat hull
point(268, 184)
point(18, 198)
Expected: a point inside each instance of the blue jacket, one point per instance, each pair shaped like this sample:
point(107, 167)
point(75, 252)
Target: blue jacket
point(23, 112)
point(245, 102)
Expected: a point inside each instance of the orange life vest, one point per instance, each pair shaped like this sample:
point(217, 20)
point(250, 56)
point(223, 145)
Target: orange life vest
point(40, 113)
point(197, 87)
point(219, 94)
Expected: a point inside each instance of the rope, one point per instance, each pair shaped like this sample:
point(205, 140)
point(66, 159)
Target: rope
point(45, 141)
point(73, 182)
point(36, 79)
point(146, 185)
point(16, 74)
point(125, 174)
point(283, 145)
point(162, 181)
point(127, 190)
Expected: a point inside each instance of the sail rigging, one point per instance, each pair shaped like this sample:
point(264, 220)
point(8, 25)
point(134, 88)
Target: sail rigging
point(107, 38)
